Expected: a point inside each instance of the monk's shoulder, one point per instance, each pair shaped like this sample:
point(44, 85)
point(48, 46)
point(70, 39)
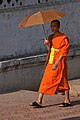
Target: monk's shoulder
point(64, 36)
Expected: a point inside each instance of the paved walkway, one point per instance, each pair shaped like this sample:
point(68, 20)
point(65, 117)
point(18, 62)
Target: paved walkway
point(15, 106)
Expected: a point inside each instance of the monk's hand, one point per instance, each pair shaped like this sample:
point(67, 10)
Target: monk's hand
point(54, 66)
point(46, 41)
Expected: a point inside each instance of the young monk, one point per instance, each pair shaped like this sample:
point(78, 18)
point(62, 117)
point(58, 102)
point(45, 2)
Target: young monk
point(55, 74)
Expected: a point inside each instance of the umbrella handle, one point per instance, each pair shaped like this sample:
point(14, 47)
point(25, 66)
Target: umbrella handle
point(44, 31)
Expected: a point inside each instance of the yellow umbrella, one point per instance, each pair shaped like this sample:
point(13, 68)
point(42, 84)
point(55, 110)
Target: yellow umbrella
point(41, 17)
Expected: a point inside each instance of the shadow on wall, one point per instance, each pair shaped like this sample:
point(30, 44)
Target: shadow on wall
point(14, 90)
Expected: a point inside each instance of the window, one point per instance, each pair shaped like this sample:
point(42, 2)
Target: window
point(1, 1)
point(17, 0)
point(8, 1)
point(38, 1)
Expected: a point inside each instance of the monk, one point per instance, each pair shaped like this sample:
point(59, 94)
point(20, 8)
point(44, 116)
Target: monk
point(55, 73)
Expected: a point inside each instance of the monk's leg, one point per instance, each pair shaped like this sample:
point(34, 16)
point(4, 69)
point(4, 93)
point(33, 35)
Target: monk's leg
point(67, 99)
point(66, 102)
point(40, 98)
point(38, 103)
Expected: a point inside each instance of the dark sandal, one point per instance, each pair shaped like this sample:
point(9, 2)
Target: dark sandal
point(35, 104)
point(65, 104)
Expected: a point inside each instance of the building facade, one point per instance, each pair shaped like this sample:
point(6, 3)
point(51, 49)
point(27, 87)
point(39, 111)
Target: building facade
point(22, 51)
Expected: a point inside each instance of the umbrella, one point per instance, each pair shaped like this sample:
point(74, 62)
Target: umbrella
point(41, 17)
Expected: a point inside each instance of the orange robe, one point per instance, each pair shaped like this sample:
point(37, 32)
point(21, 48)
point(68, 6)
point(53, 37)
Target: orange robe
point(56, 79)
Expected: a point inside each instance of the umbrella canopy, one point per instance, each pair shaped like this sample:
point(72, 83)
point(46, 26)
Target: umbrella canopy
point(41, 17)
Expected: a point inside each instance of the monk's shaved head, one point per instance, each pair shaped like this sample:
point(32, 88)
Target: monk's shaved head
point(57, 21)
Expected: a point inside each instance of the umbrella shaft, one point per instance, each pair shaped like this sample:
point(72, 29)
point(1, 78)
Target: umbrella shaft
point(44, 31)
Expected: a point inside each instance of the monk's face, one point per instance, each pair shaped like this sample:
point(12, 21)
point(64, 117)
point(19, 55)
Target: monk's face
point(54, 27)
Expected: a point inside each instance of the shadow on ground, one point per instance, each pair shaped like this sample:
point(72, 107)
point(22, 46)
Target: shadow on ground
point(72, 118)
point(77, 102)
point(73, 103)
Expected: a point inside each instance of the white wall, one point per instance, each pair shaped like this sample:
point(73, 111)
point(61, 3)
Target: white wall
point(15, 42)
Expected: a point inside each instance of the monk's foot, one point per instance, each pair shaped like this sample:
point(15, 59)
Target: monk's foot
point(36, 104)
point(65, 104)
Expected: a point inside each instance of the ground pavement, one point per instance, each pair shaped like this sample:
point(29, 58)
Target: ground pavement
point(15, 106)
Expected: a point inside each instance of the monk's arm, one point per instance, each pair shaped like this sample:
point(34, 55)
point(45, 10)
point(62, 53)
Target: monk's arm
point(59, 59)
point(56, 63)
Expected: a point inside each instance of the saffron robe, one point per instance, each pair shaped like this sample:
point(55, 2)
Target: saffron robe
point(56, 80)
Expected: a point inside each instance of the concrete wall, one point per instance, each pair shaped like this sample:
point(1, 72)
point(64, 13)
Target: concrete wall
point(15, 43)
point(26, 73)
